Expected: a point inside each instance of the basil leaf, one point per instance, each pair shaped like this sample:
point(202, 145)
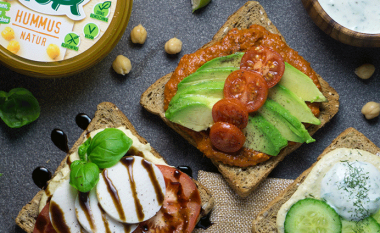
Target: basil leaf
point(18, 107)
point(108, 147)
point(82, 150)
point(83, 175)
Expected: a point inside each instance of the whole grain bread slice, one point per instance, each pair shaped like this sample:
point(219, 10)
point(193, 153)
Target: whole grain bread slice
point(242, 180)
point(350, 138)
point(106, 116)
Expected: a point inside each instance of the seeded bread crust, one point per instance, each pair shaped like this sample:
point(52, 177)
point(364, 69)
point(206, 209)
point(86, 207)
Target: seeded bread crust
point(242, 180)
point(350, 138)
point(106, 116)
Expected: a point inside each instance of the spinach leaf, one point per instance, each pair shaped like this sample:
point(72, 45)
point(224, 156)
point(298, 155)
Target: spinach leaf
point(108, 147)
point(82, 150)
point(18, 107)
point(84, 175)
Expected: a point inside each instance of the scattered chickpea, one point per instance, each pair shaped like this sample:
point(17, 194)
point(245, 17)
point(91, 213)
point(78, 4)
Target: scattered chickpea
point(371, 110)
point(53, 51)
point(8, 33)
point(122, 65)
point(138, 34)
point(365, 71)
point(13, 46)
point(173, 46)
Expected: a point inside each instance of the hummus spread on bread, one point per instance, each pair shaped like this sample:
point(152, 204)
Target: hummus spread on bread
point(312, 186)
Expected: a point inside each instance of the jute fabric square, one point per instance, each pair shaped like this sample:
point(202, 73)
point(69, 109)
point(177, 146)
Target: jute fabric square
point(233, 213)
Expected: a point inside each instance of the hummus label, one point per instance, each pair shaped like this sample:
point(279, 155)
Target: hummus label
point(53, 30)
point(71, 8)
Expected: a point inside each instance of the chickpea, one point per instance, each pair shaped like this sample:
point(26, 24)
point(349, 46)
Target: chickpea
point(138, 34)
point(13, 46)
point(365, 71)
point(8, 33)
point(122, 65)
point(53, 51)
point(371, 110)
point(173, 46)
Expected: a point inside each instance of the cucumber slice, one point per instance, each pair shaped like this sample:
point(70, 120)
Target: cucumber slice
point(311, 215)
point(376, 216)
point(367, 225)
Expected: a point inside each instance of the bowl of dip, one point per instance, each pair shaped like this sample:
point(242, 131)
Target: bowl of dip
point(59, 38)
point(351, 22)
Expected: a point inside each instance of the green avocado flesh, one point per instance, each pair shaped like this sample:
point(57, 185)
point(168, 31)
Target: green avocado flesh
point(192, 111)
point(209, 88)
point(293, 104)
point(268, 130)
point(214, 75)
point(301, 85)
point(260, 135)
point(288, 125)
point(231, 61)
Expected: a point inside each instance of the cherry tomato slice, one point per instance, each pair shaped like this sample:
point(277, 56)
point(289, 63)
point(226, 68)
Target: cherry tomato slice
point(266, 61)
point(248, 87)
point(232, 111)
point(43, 224)
point(226, 137)
point(181, 208)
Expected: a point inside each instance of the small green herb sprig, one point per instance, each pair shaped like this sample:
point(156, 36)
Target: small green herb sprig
point(18, 107)
point(103, 151)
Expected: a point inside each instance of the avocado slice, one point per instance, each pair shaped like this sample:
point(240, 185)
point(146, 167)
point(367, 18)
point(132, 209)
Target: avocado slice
point(288, 125)
point(204, 76)
point(209, 88)
point(192, 111)
point(301, 85)
point(231, 61)
point(263, 136)
point(294, 104)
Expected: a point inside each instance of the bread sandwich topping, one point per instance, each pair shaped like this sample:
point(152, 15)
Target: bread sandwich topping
point(347, 180)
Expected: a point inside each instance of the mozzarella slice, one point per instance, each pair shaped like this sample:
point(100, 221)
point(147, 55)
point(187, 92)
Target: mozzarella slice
point(132, 191)
point(94, 219)
point(62, 209)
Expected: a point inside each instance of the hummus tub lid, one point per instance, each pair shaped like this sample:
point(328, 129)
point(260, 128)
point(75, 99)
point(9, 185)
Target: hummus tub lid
point(71, 62)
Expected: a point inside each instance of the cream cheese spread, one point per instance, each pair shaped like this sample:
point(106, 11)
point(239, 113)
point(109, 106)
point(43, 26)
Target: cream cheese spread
point(314, 185)
point(64, 173)
point(361, 16)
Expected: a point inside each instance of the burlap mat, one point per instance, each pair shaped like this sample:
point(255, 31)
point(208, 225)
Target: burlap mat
point(233, 213)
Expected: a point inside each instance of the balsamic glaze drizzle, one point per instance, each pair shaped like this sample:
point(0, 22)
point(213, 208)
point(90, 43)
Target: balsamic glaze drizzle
point(84, 202)
point(59, 139)
point(128, 163)
point(186, 169)
point(41, 175)
point(82, 120)
point(204, 222)
point(149, 168)
point(114, 194)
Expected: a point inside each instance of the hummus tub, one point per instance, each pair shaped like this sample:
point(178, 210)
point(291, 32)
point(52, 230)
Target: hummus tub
point(57, 38)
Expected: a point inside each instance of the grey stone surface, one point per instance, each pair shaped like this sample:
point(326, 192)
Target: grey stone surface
point(61, 100)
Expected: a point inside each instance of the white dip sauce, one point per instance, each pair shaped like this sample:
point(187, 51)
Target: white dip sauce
point(352, 189)
point(312, 186)
point(357, 15)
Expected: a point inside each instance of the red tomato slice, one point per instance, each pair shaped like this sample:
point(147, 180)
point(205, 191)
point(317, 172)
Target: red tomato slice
point(248, 87)
point(43, 224)
point(181, 208)
point(232, 111)
point(226, 137)
point(266, 61)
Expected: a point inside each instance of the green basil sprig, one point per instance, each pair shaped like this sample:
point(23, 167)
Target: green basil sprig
point(18, 107)
point(84, 175)
point(108, 147)
point(103, 151)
